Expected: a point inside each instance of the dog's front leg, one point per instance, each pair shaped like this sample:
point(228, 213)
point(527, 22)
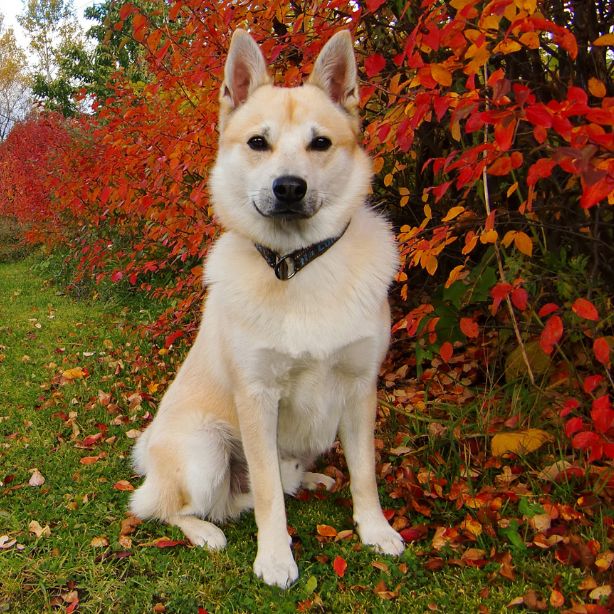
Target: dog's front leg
point(356, 434)
point(258, 423)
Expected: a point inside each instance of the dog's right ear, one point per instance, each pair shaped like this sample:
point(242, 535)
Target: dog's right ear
point(245, 70)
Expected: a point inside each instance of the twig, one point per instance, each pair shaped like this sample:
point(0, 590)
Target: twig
point(508, 301)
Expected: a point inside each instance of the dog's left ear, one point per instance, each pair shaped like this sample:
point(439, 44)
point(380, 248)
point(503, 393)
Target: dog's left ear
point(244, 71)
point(335, 71)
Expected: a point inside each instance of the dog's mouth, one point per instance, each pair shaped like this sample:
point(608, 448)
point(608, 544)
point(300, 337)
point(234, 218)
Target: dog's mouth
point(285, 212)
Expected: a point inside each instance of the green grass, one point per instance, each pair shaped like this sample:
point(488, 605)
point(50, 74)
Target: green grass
point(42, 418)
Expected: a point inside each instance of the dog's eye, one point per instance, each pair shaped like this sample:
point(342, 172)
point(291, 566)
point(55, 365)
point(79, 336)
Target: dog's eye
point(258, 143)
point(320, 143)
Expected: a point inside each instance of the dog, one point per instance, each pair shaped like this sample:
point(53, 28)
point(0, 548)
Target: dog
point(296, 320)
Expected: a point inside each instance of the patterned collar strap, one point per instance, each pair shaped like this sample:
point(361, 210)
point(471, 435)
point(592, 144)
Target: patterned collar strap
point(288, 266)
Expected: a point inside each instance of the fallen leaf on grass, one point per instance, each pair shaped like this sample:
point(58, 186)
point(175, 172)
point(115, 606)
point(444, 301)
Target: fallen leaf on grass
point(601, 592)
point(519, 442)
point(99, 542)
point(129, 523)
point(556, 599)
point(37, 478)
point(90, 460)
point(133, 433)
point(35, 527)
point(604, 560)
point(555, 471)
point(326, 530)
point(123, 485)
point(164, 542)
point(74, 373)
point(339, 565)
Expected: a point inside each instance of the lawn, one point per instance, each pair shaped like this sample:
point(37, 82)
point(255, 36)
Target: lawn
point(78, 384)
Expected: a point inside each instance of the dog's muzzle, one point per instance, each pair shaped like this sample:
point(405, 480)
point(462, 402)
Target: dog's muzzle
point(290, 203)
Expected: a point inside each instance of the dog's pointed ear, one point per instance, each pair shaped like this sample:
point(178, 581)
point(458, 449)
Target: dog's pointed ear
point(335, 71)
point(245, 70)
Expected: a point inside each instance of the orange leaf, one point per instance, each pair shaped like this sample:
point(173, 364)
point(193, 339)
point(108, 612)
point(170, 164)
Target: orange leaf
point(123, 485)
point(446, 350)
point(585, 309)
point(469, 327)
point(596, 87)
point(489, 236)
point(75, 373)
point(441, 74)
point(523, 243)
point(452, 213)
point(604, 41)
point(326, 530)
point(339, 565)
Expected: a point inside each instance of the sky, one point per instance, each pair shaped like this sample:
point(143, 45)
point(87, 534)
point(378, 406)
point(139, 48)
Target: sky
point(11, 8)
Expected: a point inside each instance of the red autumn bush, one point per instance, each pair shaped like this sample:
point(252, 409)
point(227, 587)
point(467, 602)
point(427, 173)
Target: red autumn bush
point(490, 126)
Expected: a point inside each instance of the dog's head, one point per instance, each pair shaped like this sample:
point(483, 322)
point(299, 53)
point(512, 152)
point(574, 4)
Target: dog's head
point(289, 170)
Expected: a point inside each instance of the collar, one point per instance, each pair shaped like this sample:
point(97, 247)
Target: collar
point(288, 266)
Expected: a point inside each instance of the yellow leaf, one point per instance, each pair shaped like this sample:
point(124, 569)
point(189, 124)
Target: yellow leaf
point(519, 442)
point(455, 274)
point(378, 165)
point(460, 4)
point(596, 87)
point(530, 40)
point(508, 238)
point(427, 212)
point(431, 264)
point(489, 236)
point(507, 46)
point(523, 243)
point(604, 41)
point(455, 130)
point(470, 243)
point(75, 373)
point(454, 212)
point(388, 179)
point(512, 189)
point(441, 74)
point(403, 191)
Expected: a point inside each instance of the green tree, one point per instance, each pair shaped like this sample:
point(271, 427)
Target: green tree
point(14, 84)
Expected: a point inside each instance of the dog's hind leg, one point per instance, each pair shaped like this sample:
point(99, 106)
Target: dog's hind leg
point(188, 478)
point(313, 481)
point(200, 532)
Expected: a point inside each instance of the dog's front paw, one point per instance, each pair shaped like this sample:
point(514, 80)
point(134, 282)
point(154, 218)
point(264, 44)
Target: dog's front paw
point(276, 569)
point(382, 537)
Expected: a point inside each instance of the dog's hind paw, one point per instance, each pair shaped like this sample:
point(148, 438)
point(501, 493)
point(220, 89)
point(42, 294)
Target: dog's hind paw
point(276, 570)
point(311, 481)
point(200, 532)
point(383, 538)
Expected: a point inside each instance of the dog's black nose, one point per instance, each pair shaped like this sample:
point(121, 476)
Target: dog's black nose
point(289, 189)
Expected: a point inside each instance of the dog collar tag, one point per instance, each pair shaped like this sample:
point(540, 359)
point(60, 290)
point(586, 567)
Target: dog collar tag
point(286, 267)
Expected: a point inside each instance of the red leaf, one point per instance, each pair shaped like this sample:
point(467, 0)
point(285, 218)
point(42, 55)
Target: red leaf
point(601, 349)
point(551, 335)
point(547, 309)
point(469, 327)
point(498, 293)
point(591, 382)
point(602, 414)
point(373, 5)
point(573, 426)
point(569, 406)
point(170, 339)
point(117, 276)
point(595, 192)
point(412, 534)
point(587, 440)
point(585, 309)
point(339, 565)
point(539, 115)
point(374, 64)
point(540, 169)
point(169, 543)
point(519, 298)
point(446, 350)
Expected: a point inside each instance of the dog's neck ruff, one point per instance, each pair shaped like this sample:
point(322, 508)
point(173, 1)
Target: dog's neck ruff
point(286, 267)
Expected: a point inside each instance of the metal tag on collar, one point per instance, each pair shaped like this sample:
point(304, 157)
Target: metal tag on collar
point(285, 268)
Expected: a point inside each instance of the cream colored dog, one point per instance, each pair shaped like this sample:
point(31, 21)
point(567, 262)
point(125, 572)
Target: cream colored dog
point(295, 325)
